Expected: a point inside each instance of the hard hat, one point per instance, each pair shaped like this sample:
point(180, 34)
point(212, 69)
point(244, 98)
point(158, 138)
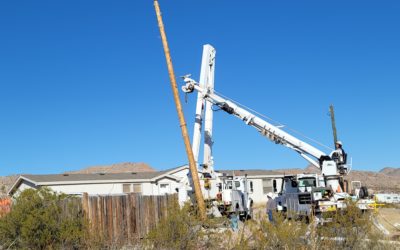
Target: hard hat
point(340, 143)
point(269, 195)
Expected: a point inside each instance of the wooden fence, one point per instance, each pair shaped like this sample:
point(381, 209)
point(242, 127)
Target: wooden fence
point(123, 219)
point(117, 219)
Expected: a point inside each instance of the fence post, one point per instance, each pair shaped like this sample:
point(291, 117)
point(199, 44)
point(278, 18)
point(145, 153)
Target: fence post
point(85, 204)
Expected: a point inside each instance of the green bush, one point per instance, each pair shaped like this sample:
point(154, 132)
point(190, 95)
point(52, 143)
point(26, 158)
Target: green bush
point(182, 229)
point(178, 230)
point(349, 229)
point(282, 234)
point(39, 219)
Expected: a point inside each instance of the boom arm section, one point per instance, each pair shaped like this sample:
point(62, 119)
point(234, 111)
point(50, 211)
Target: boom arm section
point(268, 130)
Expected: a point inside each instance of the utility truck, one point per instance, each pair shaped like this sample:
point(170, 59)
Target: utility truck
point(300, 194)
point(224, 194)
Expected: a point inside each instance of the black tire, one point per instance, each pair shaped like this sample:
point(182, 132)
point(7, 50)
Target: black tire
point(363, 193)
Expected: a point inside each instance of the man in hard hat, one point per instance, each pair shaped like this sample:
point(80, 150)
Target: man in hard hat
point(338, 155)
point(271, 207)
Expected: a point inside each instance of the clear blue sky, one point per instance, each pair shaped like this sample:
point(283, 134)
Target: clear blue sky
point(85, 82)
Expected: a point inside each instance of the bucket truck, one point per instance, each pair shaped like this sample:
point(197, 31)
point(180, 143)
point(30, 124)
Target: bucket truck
point(301, 194)
point(229, 194)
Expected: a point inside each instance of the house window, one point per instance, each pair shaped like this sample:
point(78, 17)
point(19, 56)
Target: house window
point(251, 187)
point(126, 188)
point(164, 188)
point(267, 185)
point(129, 188)
point(137, 188)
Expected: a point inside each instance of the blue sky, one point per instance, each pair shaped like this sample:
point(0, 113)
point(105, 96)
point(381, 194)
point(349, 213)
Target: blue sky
point(85, 82)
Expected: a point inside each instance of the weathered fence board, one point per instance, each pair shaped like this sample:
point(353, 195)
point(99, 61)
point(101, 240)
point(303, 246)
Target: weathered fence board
point(122, 219)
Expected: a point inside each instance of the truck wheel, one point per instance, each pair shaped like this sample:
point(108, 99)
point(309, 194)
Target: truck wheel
point(363, 193)
point(245, 216)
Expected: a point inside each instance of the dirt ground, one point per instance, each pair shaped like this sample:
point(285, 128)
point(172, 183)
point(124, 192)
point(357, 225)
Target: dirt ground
point(389, 218)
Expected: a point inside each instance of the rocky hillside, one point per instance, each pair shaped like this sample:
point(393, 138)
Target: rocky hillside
point(376, 181)
point(390, 171)
point(6, 182)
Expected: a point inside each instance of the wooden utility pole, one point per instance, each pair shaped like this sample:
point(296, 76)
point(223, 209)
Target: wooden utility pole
point(185, 134)
point(333, 124)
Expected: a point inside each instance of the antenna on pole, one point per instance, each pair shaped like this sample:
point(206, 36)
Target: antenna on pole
point(332, 113)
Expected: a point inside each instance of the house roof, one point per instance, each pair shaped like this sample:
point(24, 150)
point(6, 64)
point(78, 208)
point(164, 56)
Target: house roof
point(70, 179)
point(90, 177)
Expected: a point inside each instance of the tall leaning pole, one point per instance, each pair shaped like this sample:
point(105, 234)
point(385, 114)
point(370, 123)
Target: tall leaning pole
point(185, 134)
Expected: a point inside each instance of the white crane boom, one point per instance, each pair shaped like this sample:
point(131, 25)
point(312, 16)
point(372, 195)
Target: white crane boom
point(206, 82)
point(265, 128)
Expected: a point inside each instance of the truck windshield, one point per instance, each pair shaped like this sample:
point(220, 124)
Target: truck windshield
point(228, 185)
point(307, 182)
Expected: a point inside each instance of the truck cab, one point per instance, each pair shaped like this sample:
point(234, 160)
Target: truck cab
point(306, 194)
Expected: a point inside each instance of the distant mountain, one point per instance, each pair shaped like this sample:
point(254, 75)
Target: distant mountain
point(386, 180)
point(390, 171)
point(310, 169)
point(116, 168)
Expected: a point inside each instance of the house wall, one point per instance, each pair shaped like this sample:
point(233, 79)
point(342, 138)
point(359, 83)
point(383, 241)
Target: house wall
point(181, 173)
point(106, 188)
point(147, 188)
point(157, 187)
point(258, 195)
point(164, 185)
point(25, 185)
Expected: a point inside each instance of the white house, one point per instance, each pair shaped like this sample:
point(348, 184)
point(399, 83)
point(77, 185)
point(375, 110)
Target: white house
point(168, 181)
point(146, 183)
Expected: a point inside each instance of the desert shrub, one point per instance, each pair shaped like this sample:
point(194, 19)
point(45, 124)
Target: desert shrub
point(351, 228)
point(37, 221)
point(182, 229)
point(282, 234)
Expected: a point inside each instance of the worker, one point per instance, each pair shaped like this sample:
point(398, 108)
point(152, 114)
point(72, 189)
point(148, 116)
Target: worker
point(234, 219)
point(338, 155)
point(271, 207)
